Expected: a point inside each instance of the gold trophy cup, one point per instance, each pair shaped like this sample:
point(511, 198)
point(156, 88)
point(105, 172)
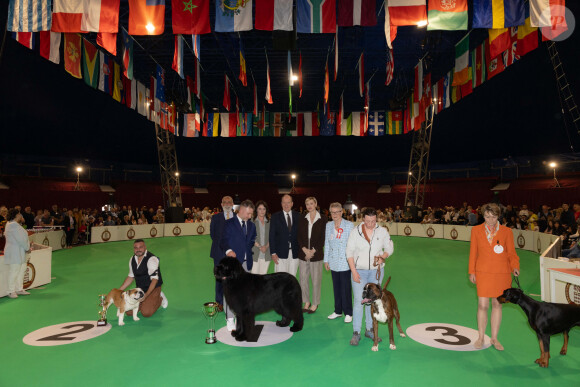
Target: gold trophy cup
point(210, 311)
point(103, 312)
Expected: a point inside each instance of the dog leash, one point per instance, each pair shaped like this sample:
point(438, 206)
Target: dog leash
point(517, 281)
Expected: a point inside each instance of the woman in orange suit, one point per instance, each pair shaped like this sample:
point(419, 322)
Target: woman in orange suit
point(492, 261)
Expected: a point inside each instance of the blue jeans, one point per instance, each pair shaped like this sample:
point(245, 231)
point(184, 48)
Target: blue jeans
point(366, 276)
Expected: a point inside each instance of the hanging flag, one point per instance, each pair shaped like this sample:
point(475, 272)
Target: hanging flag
point(367, 101)
point(274, 15)
point(268, 92)
point(177, 64)
point(210, 127)
point(327, 124)
point(498, 13)
point(544, 13)
point(426, 100)
point(197, 79)
point(447, 15)
point(117, 84)
point(376, 124)
point(29, 15)
point(357, 13)
point(357, 124)
point(146, 17)
point(407, 12)
point(448, 80)
point(127, 55)
point(300, 75)
point(290, 84)
point(394, 122)
point(191, 125)
point(90, 71)
point(50, 46)
point(141, 99)
point(130, 92)
point(72, 54)
point(390, 31)
point(190, 17)
point(226, 101)
point(232, 16)
point(67, 15)
point(101, 16)
point(527, 38)
point(160, 84)
point(499, 41)
point(105, 75)
point(307, 124)
point(196, 46)
point(245, 125)
point(335, 54)
point(190, 92)
point(418, 90)
point(340, 115)
point(466, 89)
point(243, 77)
point(24, 38)
point(277, 124)
point(255, 110)
point(390, 68)
point(478, 64)
point(326, 83)
point(361, 74)
point(461, 74)
point(407, 122)
point(437, 90)
point(509, 56)
point(108, 42)
point(558, 26)
point(315, 17)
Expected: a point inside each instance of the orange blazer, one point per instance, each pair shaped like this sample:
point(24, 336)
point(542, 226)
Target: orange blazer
point(482, 258)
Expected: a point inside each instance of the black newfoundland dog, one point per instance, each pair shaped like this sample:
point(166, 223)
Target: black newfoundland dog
point(250, 294)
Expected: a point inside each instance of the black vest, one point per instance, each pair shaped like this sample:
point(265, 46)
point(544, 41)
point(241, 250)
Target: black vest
point(142, 276)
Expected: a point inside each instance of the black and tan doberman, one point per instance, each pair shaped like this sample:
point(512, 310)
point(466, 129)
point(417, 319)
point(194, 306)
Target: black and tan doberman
point(546, 319)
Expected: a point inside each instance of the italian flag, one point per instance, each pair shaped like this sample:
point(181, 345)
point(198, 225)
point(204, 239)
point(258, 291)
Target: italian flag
point(461, 74)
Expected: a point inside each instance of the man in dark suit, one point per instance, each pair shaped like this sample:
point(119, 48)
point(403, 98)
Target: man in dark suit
point(238, 237)
point(283, 237)
point(215, 231)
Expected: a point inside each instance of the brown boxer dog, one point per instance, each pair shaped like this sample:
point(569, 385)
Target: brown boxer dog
point(383, 308)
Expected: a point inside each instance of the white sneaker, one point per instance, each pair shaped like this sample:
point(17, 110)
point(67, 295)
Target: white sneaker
point(347, 319)
point(22, 293)
point(164, 301)
point(231, 324)
point(334, 315)
point(12, 295)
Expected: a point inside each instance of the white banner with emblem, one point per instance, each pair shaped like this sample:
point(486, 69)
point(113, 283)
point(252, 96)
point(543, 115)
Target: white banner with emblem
point(55, 239)
point(145, 231)
point(457, 233)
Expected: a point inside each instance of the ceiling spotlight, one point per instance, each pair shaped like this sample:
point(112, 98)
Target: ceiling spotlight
point(293, 177)
point(150, 28)
point(79, 169)
point(422, 23)
point(177, 174)
point(294, 77)
point(553, 165)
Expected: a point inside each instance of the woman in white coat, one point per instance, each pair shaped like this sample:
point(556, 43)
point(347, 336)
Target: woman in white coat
point(17, 246)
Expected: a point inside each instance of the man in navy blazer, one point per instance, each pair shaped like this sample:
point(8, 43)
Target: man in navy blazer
point(216, 228)
point(238, 238)
point(283, 237)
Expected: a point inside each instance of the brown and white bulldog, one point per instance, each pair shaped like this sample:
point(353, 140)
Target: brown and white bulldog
point(383, 308)
point(125, 301)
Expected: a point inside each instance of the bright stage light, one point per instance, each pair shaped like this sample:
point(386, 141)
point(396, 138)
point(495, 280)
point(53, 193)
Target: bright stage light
point(422, 23)
point(177, 174)
point(150, 28)
point(553, 165)
point(293, 177)
point(79, 169)
point(294, 77)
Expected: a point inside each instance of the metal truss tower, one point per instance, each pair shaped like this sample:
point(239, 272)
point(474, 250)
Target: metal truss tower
point(170, 186)
point(419, 162)
point(566, 97)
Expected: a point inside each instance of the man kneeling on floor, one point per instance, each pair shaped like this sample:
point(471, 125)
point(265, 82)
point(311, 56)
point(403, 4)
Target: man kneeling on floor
point(145, 270)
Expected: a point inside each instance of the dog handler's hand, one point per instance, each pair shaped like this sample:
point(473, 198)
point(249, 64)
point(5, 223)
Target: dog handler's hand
point(516, 272)
point(356, 277)
point(231, 254)
point(472, 278)
point(275, 258)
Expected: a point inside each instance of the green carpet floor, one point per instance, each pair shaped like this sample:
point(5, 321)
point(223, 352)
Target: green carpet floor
point(429, 280)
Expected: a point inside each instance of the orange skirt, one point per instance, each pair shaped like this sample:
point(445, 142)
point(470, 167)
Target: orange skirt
point(492, 284)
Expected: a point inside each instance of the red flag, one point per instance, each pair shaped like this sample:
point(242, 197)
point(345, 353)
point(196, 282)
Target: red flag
point(191, 17)
point(146, 17)
point(255, 111)
point(339, 117)
point(326, 83)
point(527, 38)
point(101, 16)
point(335, 54)
point(418, 91)
point(108, 42)
point(268, 91)
point(24, 38)
point(67, 16)
point(197, 78)
point(494, 64)
point(356, 13)
point(300, 75)
point(72, 54)
point(226, 93)
point(50, 45)
point(499, 41)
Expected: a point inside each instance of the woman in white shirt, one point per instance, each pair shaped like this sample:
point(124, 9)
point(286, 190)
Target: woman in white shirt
point(17, 246)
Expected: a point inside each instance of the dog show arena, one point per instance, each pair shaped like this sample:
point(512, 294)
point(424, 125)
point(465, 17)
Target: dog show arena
point(429, 281)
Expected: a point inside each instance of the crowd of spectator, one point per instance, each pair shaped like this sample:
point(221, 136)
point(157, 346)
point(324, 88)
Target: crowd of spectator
point(562, 221)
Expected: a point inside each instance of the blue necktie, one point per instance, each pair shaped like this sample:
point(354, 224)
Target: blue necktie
point(244, 227)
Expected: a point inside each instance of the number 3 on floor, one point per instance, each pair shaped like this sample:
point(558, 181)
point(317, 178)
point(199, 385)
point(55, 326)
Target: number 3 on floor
point(445, 336)
point(65, 333)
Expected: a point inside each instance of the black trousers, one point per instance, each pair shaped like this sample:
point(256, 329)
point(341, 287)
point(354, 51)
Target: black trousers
point(69, 236)
point(342, 292)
